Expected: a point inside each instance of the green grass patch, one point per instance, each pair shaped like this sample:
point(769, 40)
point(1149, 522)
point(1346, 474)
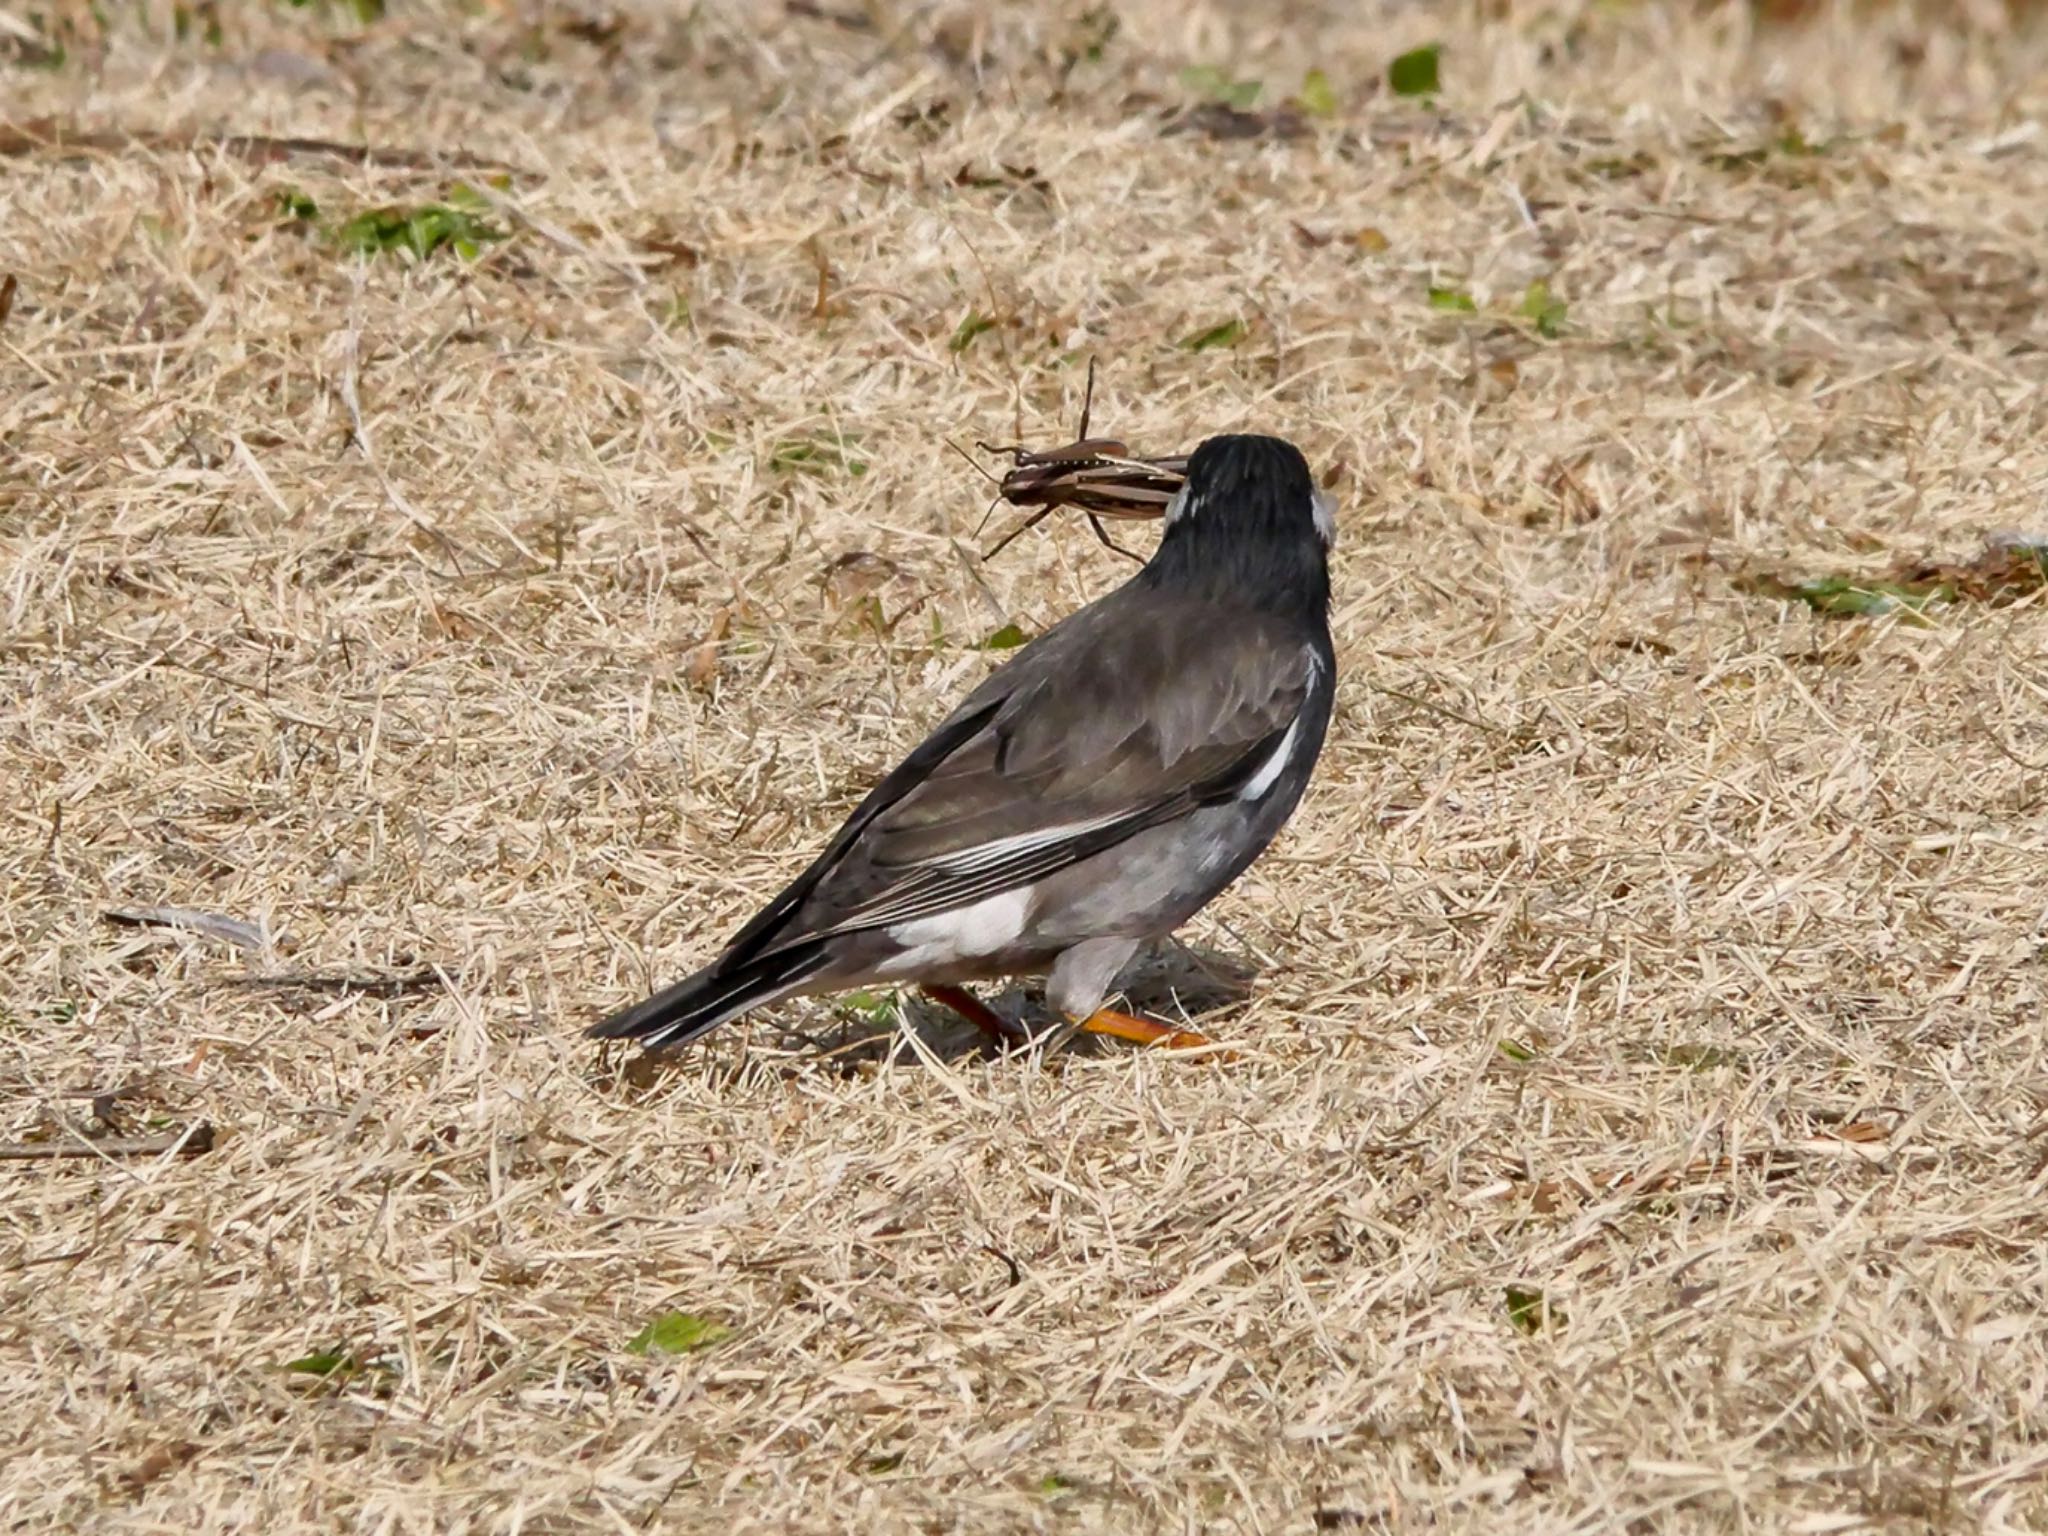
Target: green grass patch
point(1227, 334)
point(817, 455)
point(975, 324)
point(458, 223)
point(677, 1333)
point(1531, 1311)
point(1214, 84)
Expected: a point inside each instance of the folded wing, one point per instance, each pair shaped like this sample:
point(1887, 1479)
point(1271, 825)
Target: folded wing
point(1094, 734)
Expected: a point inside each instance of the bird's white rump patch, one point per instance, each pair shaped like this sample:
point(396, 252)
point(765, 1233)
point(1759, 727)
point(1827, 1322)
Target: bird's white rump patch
point(982, 928)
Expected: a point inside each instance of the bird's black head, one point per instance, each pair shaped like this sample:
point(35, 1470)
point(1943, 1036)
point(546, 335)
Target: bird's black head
point(1248, 526)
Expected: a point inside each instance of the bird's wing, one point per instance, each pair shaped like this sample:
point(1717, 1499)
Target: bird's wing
point(1094, 733)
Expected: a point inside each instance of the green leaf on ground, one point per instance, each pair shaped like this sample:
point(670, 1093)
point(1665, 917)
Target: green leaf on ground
point(339, 1364)
point(971, 327)
point(1838, 594)
point(1219, 85)
point(296, 206)
point(868, 1007)
point(324, 1363)
point(1414, 73)
point(423, 228)
point(1528, 1310)
point(365, 11)
point(1455, 300)
point(1008, 638)
point(1846, 596)
point(677, 1333)
point(1544, 309)
point(816, 456)
point(1228, 334)
point(1514, 1050)
point(1317, 96)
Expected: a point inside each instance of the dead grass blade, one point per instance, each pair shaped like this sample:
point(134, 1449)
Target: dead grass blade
point(189, 1142)
point(48, 137)
point(1641, 1096)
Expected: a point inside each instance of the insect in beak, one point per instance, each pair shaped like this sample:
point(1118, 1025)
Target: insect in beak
point(1098, 476)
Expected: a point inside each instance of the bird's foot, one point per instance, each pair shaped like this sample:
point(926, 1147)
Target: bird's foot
point(1125, 1026)
point(1104, 1021)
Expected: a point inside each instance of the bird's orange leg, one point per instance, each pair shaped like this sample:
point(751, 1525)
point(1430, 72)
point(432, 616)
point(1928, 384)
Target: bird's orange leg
point(1104, 1021)
point(975, 1012)
point(1124, 1026)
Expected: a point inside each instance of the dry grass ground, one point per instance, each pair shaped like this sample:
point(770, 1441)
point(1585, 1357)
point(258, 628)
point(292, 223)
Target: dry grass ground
point(1642, 1119)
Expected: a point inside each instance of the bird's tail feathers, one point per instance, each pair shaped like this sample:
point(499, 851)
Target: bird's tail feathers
point(698, 1004)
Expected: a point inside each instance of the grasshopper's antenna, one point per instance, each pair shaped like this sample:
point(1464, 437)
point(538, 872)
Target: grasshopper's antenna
point(1087, 401)
point(978, 469)
point(992, 479)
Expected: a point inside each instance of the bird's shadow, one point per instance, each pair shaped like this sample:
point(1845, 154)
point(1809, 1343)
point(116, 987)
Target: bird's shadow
point(1173, 982)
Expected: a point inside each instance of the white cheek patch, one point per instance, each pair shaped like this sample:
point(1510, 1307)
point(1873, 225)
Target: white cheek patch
point(1323, 506)
point(1179, 507)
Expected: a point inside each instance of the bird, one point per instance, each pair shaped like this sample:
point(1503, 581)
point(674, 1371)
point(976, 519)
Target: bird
point(1088, 797)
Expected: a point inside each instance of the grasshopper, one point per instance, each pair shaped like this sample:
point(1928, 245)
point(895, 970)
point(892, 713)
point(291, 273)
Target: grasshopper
point(1099, 475)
